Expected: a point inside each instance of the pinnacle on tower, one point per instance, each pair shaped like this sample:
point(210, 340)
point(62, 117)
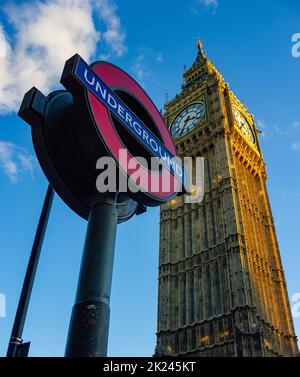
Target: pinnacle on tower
point(201, 55)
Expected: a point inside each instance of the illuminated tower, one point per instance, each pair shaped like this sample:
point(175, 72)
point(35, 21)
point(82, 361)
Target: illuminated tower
point(222, 289)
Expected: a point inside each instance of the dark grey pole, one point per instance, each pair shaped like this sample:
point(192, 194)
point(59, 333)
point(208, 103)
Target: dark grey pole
point(89, 324)
point(15, 343)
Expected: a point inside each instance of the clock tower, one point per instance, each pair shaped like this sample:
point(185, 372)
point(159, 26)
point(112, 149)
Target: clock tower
point(222, 290)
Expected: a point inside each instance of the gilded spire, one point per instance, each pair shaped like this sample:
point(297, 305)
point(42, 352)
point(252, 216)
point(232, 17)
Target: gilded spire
point(199, 45)
point(201, 55)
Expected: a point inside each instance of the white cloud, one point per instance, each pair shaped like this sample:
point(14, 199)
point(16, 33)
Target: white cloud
point(15, 160)
point(2, 43)
point(104, 56)
point(296, 145)
point(261, 126)
point(159, 57)
point(279, 130)
point(114, 35)
point(296, 124)
point(2, 305)
point(209, 2)
point(196, 4)
point(46, 34)
point(139, 69)
point(269, 131)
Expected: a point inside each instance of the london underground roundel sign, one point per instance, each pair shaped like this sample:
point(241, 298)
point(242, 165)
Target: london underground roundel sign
point(105, 86)
point(103, 112)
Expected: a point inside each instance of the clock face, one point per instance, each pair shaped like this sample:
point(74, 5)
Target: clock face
point(243, 124)
point(187, 120)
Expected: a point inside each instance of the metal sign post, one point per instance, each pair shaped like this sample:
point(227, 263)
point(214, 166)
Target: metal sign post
point(88, 331)
point(16, 347)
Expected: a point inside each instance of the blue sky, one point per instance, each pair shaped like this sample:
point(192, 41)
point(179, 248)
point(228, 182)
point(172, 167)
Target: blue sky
point(251, 44)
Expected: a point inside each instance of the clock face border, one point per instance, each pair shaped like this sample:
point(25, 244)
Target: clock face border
point(237, 114)
point(183, 126)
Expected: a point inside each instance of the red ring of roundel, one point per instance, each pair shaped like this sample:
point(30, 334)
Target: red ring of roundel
point(114, 76)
